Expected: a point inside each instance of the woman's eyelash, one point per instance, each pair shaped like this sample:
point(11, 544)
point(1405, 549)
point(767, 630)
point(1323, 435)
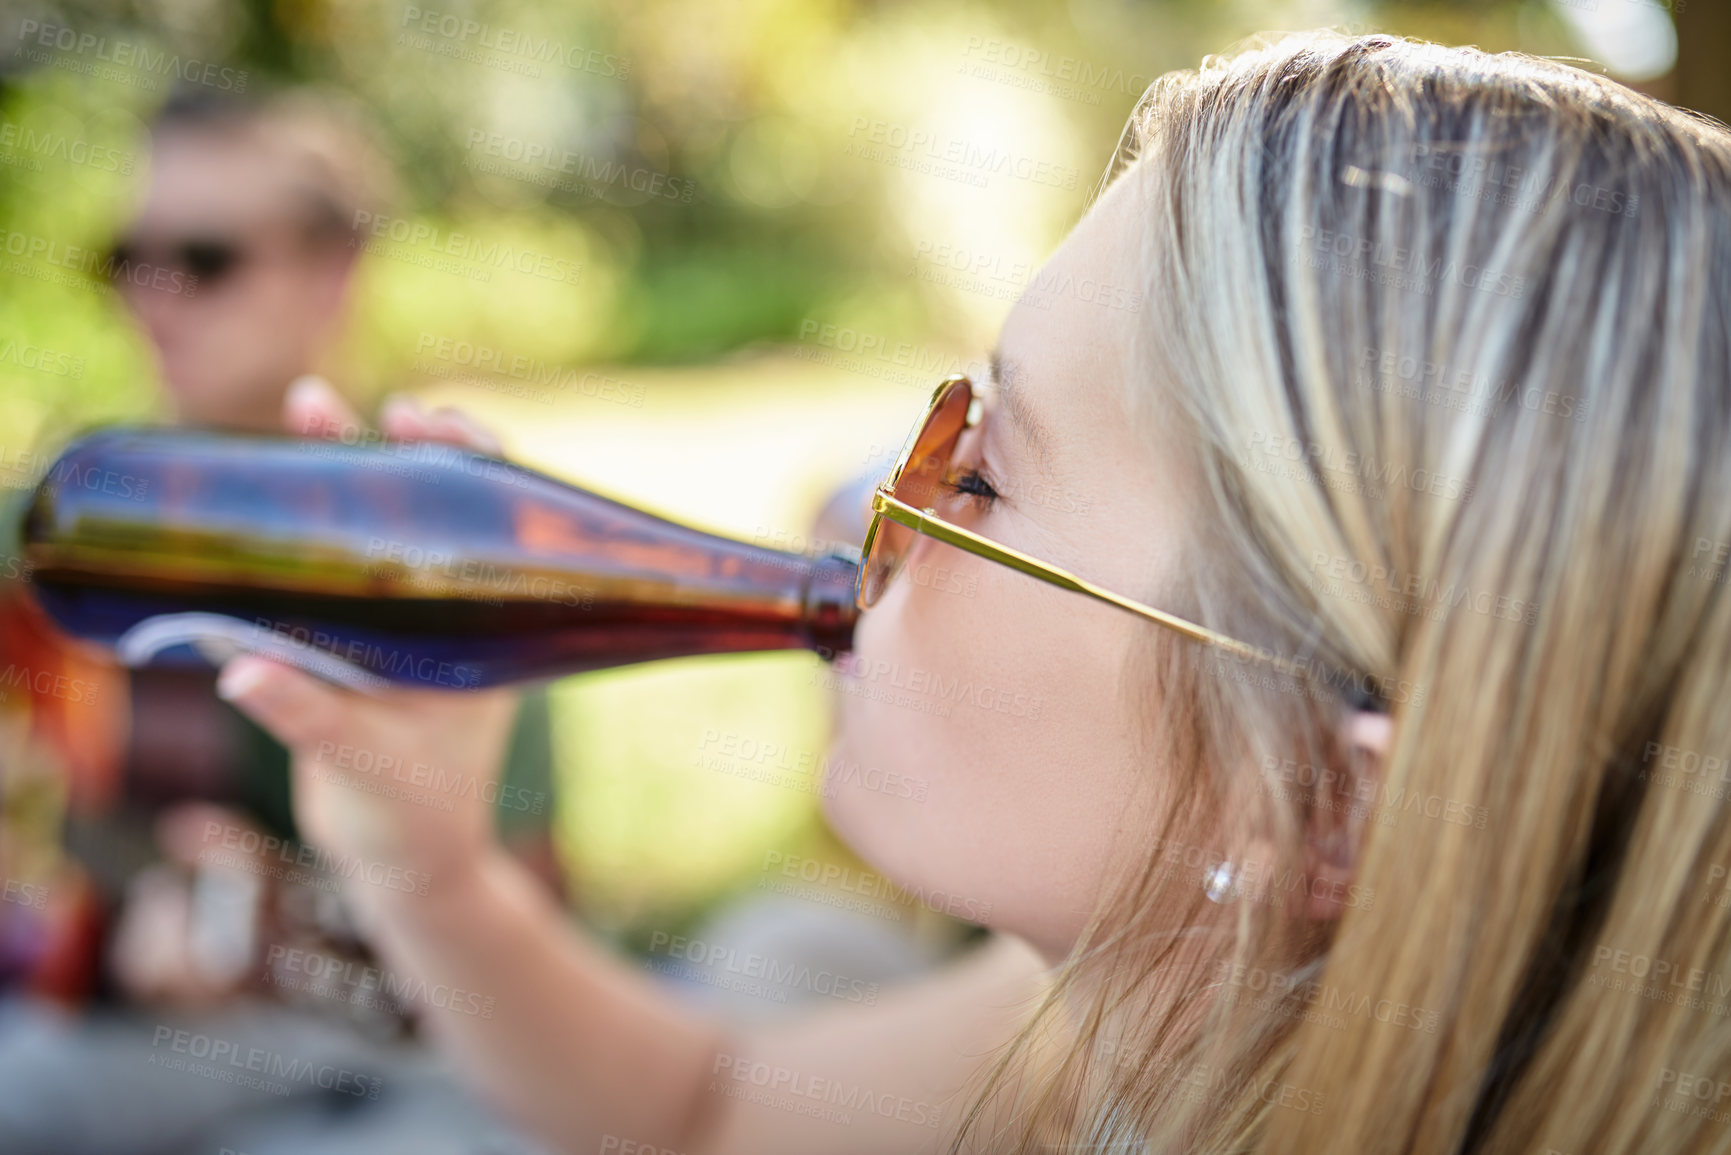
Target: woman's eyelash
point(971, 483)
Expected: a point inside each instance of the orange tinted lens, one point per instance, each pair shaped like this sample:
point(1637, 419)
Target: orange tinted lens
point(934, 446)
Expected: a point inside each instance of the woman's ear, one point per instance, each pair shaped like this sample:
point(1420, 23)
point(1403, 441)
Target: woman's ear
point(1369, 731)
point(1336, 835)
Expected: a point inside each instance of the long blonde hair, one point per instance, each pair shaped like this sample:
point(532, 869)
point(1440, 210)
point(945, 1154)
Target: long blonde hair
point(1448, 336)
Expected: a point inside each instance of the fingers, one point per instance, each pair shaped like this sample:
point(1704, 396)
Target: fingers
point(405, 419)
point(296, 707)
point(461, 429)
point(185, 832)
point(313, 408)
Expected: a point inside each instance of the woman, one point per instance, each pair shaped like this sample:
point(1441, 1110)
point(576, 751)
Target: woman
point(1413, 389)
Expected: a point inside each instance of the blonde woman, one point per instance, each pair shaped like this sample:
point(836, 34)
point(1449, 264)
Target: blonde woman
point(1373, 800)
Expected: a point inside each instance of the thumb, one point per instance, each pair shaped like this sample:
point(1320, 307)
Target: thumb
point(313, 408)
point(296, 707)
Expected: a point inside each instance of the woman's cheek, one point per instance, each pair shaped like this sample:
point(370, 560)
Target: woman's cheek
point(890, 764)
point(860, 734)
point(882, 777)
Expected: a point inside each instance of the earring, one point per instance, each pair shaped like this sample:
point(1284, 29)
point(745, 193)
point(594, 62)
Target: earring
point(1218, 885)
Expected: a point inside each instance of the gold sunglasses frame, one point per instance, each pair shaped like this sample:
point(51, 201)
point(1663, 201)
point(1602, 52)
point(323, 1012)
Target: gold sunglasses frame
point(927, 523)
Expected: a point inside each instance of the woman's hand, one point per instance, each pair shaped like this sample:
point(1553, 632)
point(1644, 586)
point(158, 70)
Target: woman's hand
point(403, 780)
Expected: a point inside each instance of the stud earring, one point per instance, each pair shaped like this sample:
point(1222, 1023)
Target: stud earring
point(1218, 885)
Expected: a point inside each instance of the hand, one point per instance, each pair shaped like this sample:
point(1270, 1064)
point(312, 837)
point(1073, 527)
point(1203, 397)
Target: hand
point(404, 779)
point(189, 928)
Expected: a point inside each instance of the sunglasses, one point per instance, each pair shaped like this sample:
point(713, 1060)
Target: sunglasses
point(210, 259)
point(902, 512)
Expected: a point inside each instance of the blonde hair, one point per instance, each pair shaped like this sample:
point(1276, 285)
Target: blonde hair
point(1448, 338)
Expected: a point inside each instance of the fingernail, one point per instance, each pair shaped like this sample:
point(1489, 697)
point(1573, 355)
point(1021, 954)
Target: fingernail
point(398, 406)
point(307, 387)
point(240, 678)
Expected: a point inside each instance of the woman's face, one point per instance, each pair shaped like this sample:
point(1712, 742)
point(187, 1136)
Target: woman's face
point(1002, 693)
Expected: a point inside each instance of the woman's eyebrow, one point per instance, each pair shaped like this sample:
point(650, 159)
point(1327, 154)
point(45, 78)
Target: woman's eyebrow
point(1035, 435)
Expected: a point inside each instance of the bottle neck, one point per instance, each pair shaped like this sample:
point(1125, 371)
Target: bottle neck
point(828, 608)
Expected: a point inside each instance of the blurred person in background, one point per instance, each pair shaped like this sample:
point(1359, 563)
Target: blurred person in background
point(247, 231)
point(1222, 924)
point(256, 204)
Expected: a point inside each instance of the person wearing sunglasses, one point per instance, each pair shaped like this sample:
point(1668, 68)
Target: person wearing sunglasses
point(237, 266)
point(238, 262)
point(1327, 728)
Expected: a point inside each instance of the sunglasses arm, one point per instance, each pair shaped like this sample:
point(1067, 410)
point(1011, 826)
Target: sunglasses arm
point(925, 522)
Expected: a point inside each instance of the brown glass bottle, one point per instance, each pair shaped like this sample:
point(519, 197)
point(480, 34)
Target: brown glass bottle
point(396, 562)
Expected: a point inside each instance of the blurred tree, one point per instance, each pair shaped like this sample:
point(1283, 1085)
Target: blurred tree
point(1703, 39)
